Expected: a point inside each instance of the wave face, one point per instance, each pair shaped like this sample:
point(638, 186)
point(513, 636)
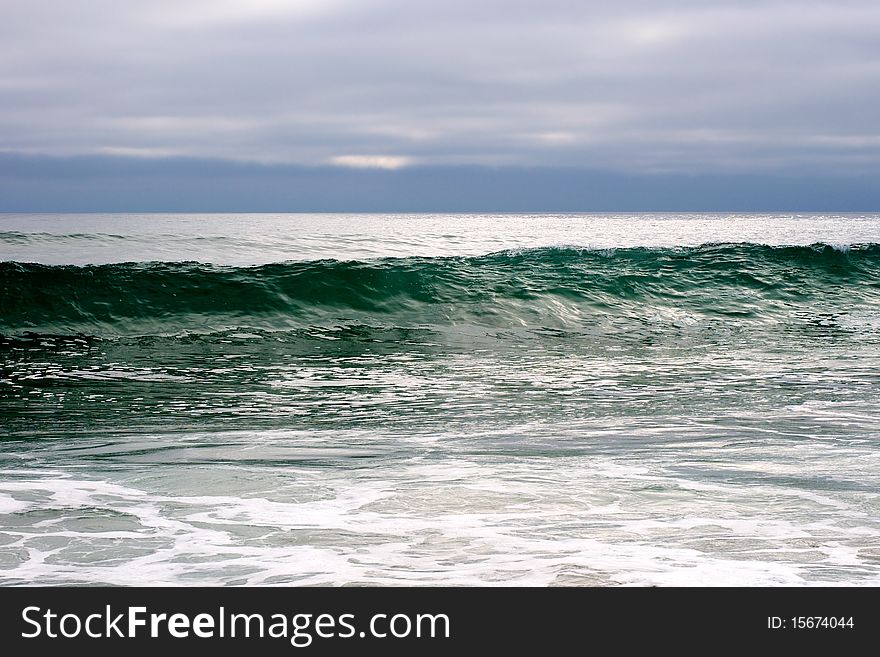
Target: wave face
point(554, 288)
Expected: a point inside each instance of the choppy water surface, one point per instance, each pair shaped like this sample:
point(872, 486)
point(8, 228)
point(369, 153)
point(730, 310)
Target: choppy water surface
point(417, 399)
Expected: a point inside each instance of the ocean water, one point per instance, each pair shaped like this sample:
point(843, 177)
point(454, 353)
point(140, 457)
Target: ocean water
point(435, 399)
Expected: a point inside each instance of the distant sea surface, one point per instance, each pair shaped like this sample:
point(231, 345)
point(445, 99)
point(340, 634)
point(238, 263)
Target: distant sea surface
point(440, 399)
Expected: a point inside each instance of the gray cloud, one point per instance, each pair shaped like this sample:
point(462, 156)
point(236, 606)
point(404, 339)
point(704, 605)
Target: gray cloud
point(640, 86)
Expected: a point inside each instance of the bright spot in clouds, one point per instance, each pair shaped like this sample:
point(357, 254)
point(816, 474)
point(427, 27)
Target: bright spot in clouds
point(371, 161)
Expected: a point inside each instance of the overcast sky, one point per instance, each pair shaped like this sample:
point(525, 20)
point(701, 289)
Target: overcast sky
point(675, 87)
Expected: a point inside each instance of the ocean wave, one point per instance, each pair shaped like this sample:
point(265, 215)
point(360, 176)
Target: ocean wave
point(549, 287)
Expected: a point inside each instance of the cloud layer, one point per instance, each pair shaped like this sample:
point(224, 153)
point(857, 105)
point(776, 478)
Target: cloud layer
point(637, 86)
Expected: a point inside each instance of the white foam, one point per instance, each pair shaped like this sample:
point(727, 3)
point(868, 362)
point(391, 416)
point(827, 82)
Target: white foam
point(8, 504)
point(462, 521)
